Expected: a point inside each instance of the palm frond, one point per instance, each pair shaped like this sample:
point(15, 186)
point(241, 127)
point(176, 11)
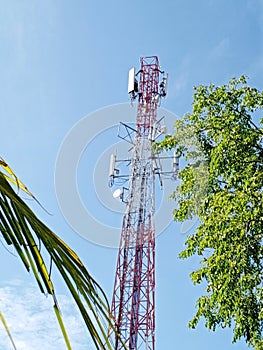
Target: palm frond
point(7, 330)
point(21, 228)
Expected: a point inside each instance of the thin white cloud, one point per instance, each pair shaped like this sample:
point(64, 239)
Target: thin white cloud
point(179, 83)
point(21, 27)
point(32, 322)
point(220, 49)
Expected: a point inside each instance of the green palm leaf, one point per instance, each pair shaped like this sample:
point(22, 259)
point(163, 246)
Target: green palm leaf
point(7, 330)
point(21, 228)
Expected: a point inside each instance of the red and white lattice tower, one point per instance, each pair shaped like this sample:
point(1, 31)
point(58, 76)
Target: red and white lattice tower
point(134, 288)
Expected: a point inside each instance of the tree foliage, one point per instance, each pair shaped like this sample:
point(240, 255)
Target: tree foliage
point(222, 184)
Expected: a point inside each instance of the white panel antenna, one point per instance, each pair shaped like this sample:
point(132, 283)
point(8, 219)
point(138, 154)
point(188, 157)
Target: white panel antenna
point(176, 163)
point(112, 164)
point(131, 80)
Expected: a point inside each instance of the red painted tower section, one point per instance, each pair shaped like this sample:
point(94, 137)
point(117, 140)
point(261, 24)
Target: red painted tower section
point(134, 288)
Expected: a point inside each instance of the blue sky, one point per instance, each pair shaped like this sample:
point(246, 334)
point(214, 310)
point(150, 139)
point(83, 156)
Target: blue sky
point(61, 61)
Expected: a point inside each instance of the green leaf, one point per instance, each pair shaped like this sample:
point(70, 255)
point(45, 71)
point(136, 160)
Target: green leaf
point(21, 228)
point(7, 330)
point(222, 183)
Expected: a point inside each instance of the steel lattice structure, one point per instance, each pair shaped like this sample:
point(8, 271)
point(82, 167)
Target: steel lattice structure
point(133, 306)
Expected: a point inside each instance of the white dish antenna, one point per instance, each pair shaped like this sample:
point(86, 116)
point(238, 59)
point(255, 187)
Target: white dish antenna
point(117, 193)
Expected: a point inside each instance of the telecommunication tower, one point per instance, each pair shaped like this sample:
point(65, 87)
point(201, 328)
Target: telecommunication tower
point(133, 303)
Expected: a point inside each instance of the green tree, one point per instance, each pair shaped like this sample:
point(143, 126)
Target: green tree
point(33, 242)
point(222, 184)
